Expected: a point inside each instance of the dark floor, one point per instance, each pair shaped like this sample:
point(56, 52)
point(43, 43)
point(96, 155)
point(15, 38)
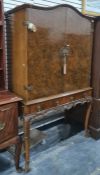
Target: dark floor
point(76, 155)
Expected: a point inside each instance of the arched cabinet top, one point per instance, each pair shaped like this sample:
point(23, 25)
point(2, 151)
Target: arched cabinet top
point(25, 6)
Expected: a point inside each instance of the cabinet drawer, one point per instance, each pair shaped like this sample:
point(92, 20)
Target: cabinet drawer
point(8, 121)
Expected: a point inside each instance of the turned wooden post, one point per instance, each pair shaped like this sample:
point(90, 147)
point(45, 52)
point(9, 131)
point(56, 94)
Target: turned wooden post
point(27, 143)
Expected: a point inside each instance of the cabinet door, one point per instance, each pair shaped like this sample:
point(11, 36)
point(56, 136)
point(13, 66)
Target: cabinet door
point(44, 62)
point(8, 122)
point(59, 53)
point(78, 36)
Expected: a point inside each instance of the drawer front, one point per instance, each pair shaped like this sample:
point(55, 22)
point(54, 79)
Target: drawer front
point(8, 121)
point(37, 107)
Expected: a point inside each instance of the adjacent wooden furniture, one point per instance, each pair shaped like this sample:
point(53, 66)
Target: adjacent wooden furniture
point(9, 124)
point(8, 103)
point(2, 49)
point(94, 124)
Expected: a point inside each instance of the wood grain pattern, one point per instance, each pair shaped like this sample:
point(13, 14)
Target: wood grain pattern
point(37, 62)
point(8, 113)
point(45, 71)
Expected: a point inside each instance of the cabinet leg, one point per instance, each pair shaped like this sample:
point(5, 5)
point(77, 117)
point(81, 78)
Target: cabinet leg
point(87, 119)
point(17, 154)
point(27, 143)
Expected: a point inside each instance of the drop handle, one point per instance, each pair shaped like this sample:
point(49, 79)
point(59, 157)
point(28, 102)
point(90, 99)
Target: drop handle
point(2, 126)
point(71, 98)
point(64, 52)
point(39, 108)
point(28, 88)
point(57, 103)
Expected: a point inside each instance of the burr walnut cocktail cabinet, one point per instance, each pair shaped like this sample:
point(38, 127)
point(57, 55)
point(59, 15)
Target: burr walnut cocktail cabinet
point(51, 51)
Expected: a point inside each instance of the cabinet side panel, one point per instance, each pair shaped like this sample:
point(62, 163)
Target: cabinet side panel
point(19, 54)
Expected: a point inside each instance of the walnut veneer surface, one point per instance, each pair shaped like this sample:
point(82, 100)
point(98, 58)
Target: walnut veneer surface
point(37, 64)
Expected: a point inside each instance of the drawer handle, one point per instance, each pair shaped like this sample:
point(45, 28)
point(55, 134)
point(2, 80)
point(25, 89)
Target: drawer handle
point(5, 109)
point(2, 126)
point(72, 98)
point(57, 103)
point(39, 108)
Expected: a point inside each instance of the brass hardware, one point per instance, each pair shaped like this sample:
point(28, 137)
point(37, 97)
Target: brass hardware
point(72, 98)
point(30, 26)
point(64, 52)
point(39, 108)
point(28, 88)
point(57, 103)
point(2, 126)
point(85, 95)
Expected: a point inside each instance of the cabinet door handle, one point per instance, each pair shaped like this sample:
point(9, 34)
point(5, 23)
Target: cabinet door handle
point(5, 109)
point(2, 126)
